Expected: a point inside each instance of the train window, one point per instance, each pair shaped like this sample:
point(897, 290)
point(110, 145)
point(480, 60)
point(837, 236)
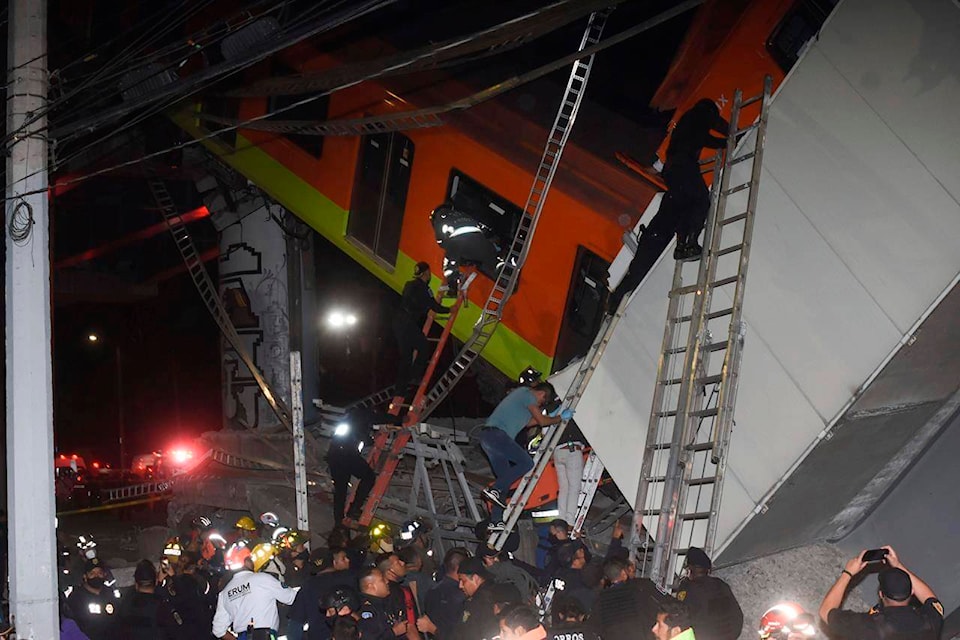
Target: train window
point(316, 110)
point(493, 211)
point(584, 310)
point(796, 29)
point(380, 193)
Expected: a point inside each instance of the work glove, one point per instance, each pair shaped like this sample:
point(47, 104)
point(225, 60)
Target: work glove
point(566, 414)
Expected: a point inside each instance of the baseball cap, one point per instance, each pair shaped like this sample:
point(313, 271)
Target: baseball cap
point(474, 567)
point(92, 564)
point(697, 557)
point(895, 584)
point(145, 572)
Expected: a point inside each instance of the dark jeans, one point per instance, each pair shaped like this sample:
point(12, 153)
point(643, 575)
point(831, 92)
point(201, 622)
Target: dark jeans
point(342, 467)
point(508, 460)
point(689, 201)
point(651, 244)
point(410, 340)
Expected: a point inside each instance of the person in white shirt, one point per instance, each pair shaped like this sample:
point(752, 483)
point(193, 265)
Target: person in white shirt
point(247, 606)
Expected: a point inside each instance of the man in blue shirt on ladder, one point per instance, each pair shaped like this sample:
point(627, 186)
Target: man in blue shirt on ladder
point(509, 461)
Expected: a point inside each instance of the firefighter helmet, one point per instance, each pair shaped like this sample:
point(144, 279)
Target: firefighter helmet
point(246, 523)
point(262, 554)
point(236, 554)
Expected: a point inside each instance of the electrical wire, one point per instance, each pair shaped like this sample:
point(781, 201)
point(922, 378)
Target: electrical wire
point(342, 19)
point(160, 107)
point(587, 51)
point(225, 69)
point(118, 66)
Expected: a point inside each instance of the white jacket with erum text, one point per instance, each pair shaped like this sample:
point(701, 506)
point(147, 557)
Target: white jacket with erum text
point(250, 597)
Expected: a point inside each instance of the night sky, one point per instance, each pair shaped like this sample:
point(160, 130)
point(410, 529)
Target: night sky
point(168, 343)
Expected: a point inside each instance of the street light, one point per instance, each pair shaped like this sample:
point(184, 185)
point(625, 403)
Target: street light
point(93, 338)
point(339, 319)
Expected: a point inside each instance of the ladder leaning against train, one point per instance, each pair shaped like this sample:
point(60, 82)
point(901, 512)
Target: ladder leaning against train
point(685, 442)
point(388, 446)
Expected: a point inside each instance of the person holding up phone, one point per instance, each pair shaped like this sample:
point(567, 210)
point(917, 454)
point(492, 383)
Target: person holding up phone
point(897, 617)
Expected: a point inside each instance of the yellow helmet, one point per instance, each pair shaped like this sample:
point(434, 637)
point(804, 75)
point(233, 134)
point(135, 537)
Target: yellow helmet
point(262, 554)
point(246, 523)
point(173, 549)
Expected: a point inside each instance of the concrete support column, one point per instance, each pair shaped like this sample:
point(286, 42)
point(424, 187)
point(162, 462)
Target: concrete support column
point(253, 285)
point(30, 500)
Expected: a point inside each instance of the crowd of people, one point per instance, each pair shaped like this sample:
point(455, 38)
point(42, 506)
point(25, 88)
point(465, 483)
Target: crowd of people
point(261, 582)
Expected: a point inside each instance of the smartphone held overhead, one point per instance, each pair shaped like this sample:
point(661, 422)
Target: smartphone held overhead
point(874, 555)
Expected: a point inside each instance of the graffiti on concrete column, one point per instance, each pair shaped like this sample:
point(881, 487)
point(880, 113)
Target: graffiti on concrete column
point(254, 291)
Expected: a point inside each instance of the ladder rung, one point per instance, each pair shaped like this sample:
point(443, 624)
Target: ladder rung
point(704, 413)
point(699, 446)
point(732, 219)
point(699, 482)
point(749, 127)
point(731, 249)
point(714, 379)
point(742, 158)
point(737, 189)
point(711, 347)
point(697, 515)
point(749, 101)
point(666, 414)
point(723, 282)
point(682, 291)
point(710, 316)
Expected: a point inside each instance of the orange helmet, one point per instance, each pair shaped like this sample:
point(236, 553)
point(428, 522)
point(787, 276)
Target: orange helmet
point(236, 554)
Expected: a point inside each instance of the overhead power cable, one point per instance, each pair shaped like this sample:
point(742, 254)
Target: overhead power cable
point(187, 86)
point(430, 116)
point(613, 40)
point(491, 41)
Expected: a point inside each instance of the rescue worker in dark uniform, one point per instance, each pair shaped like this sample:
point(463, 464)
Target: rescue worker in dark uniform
point(346, 460)
point(400, 603)
point(336, 575)
point(714, 611)
point(408, 324)
point(143, 615)
point(628, 606)
point(689, 196)
point(479, 620)
point(95, 606)
point(686, 203)
point(443, 605)
point(570, 622)
point(896, 617)
point(374, 620)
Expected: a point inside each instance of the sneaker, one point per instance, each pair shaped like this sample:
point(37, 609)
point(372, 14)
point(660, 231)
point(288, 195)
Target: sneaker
point(497, 527)
point(493, 495)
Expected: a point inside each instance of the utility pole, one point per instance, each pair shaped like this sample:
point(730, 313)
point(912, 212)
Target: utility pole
point(30, 501)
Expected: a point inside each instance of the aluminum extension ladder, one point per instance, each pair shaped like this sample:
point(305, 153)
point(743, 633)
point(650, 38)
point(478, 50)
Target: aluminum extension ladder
point(509, 273)
point(506, 282)
point(549, 443)
point(388, 445)
point(210, 294)
point(681, 478)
